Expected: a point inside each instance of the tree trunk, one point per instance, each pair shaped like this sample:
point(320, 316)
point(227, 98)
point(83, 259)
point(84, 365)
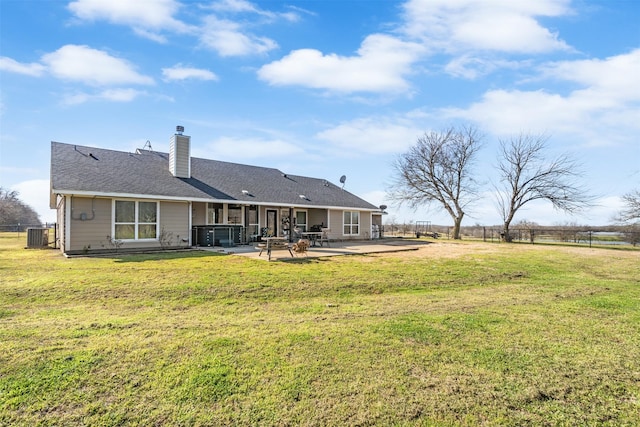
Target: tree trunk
point(505, 233)
point(456, 227)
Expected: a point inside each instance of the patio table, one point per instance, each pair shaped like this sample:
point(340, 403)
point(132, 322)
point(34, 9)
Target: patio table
point(275, 243)
point(313, 236)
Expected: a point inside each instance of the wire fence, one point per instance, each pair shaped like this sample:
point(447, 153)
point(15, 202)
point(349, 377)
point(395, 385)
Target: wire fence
point(609, 236)
point(24, 227)
point(591, 237)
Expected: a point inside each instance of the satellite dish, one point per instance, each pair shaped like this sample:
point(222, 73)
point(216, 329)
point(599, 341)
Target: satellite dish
point(343, 178)
point(383, 207)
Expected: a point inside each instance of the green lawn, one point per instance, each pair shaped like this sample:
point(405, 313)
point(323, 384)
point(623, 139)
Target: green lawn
point(457, 333)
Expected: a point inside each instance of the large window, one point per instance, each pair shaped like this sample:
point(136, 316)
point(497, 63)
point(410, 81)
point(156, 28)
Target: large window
point(134, 220)
point(351, 223)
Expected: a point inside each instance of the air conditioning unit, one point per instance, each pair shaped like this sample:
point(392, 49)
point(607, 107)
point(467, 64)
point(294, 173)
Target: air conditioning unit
point(37, 237)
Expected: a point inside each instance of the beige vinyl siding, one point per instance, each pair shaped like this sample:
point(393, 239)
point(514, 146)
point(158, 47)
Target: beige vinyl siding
point(174, 220)
point(90, 223)
point(91, 231)
point(365, 225)
point(179, 155)
point(336, 224)
point(199, 213)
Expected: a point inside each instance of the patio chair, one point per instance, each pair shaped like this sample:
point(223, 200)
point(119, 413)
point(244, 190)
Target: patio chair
point(324, 237)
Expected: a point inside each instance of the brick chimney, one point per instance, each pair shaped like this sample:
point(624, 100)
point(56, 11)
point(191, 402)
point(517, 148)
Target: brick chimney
point(180, 154)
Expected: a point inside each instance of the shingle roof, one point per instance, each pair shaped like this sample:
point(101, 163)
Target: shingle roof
point(86, 170)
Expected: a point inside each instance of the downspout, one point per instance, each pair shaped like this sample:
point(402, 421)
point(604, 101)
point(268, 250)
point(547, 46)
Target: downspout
point(190, 213)
point(58, 238)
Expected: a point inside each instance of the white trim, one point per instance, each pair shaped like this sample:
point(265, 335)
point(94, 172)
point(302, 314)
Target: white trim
point(67, 223)
point(190, 215)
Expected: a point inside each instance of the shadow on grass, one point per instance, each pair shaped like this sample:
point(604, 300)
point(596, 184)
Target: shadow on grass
point(157, 256)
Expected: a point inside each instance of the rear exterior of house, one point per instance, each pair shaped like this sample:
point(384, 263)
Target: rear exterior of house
point(110, 200)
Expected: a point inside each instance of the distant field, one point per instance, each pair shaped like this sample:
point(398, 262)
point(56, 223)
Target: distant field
point(456, 333)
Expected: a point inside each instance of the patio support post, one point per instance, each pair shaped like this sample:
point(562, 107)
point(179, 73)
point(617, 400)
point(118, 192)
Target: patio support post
point(291, 220)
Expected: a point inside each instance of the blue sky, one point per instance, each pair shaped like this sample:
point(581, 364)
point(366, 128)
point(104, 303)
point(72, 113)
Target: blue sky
point(325, 88)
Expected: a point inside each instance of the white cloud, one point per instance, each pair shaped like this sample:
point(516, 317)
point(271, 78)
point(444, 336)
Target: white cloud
point(13, 66)
point(179, 72)
point(381, 64)
point(115, 95)
point(372, 135)
point(505, 112)
point(120, 95)
point(158, 38)
point(227, 38)
point(615, 77)
point(234, 6)
point(76, 98)
point(243, 6)
point(142, 16)
point(92, 67)
point(607, 101)
point(471, 67)
point(149, 18)
point(241, 149)
point(494, 25)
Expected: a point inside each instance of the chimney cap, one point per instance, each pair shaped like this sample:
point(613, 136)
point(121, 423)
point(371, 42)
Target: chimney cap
point(179, 129)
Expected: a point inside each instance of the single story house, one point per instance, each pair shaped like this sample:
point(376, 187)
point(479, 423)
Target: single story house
point(109, 199)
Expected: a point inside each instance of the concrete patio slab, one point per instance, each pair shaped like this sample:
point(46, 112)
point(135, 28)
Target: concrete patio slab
point(352, 247)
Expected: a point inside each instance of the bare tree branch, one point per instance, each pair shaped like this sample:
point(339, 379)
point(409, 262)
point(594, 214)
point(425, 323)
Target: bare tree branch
point(526, 175)
point(14, 211)
point(631, 211)
point(438, 170)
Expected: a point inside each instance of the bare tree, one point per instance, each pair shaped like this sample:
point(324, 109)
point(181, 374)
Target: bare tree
point(438, 169)
point(631, 211)
point(526, 175)
point(13, 211)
